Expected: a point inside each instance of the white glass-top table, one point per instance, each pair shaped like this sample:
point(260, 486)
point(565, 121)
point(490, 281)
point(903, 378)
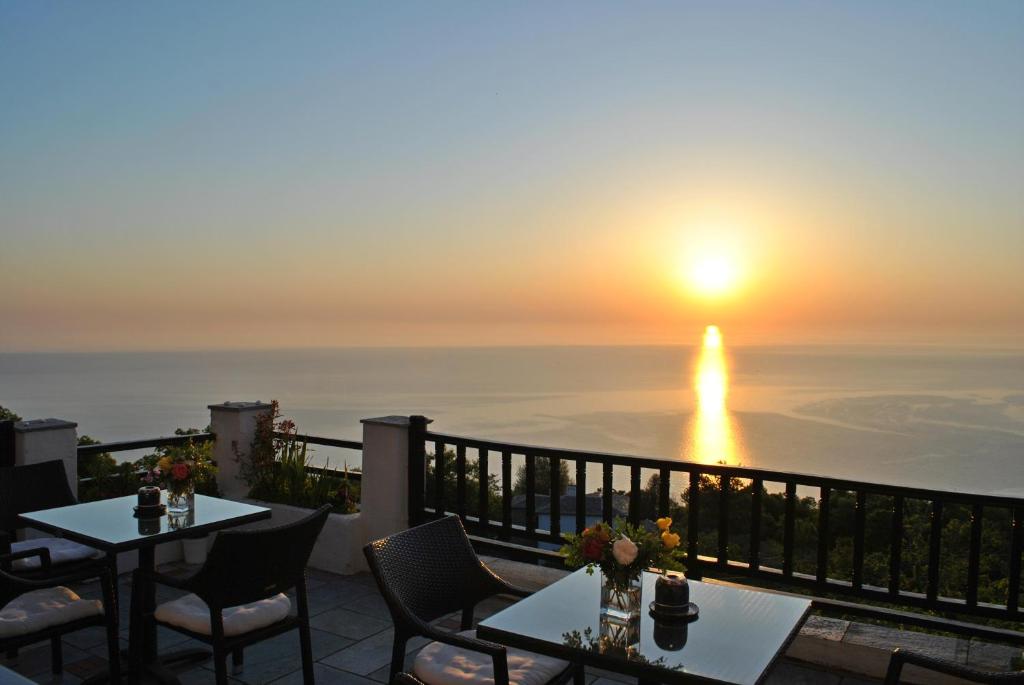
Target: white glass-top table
point(736, 639)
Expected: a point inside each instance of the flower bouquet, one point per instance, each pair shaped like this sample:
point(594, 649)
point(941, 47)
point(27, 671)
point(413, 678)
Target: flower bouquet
point(179, 478)
point(623, 552)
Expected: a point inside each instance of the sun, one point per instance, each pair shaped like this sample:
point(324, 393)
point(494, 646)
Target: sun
point(712, 275)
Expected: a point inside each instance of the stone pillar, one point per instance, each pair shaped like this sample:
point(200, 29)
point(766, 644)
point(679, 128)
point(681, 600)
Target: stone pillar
point(45, 440)
point(234, 424)
point(384, 503)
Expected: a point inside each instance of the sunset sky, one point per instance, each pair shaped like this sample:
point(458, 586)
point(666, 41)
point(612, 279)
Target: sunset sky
point(221, 175)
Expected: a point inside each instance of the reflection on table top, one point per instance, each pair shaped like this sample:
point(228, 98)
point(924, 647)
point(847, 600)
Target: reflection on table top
point(736, 638)
point(112, 525)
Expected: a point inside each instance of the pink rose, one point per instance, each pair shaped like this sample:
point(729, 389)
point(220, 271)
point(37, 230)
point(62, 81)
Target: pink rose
point(625, 550)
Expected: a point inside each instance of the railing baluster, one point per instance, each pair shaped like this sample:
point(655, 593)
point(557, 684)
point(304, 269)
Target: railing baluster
point(824, 499)
point(439, 507)
point(788, 530)
point(606, 492)
point(581, 494)
point(484, 476)
point(896, 546)
point(1017, 537)
point(555, 507)
point(634, 495)
point(506, 494)
point(755, 523)
point(723, 521)
point(531, 493)
point(858, 539)
point(460, 481)
point(664, 503)
point(693, 532)
point(974, 556)
point(934, 541)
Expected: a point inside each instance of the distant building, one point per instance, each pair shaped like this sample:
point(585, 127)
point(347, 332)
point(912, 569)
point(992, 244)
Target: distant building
point(567, 511)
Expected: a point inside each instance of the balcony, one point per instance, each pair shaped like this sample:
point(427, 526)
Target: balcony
point(750, 526)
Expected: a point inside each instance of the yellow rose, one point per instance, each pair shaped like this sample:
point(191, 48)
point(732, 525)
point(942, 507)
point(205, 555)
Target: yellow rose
point(164, 463)
point(664, 523)
point(670, 540)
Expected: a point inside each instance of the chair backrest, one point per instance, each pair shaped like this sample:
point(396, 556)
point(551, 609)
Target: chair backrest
point(248, 565)
point(428, 571)
point(32, 487)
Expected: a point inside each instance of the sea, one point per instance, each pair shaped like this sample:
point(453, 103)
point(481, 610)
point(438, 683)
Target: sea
point(929, 416)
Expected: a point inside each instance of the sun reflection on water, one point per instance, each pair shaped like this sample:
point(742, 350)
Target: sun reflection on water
point(714, 435)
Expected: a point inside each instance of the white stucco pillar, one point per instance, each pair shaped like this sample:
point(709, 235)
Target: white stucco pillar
point(384, 503)
point(234, 424)
point(46, 439)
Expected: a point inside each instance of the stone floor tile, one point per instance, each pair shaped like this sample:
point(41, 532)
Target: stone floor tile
point(366, 656)
point(349, 624)
point(335, 595)
point(34, 660)
point(279, 656)
point(371, 604)
point(325, 675)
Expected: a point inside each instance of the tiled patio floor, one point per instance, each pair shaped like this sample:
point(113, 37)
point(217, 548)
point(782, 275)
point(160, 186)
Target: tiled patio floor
point(351, 644)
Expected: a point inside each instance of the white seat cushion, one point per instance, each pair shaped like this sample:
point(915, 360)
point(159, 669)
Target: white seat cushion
point(61, 552)
point(441, 664)
point(191, 613)
point(41, 609)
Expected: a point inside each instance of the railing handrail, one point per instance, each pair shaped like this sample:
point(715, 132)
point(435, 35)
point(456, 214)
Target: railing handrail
point(318, 440)
point(128, 445)
point(729, 471)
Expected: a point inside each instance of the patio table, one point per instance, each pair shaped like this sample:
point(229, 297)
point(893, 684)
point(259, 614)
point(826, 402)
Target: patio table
point(736, 638)
point(111, 527)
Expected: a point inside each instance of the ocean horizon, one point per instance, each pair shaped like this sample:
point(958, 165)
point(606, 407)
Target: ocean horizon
point(940, 416)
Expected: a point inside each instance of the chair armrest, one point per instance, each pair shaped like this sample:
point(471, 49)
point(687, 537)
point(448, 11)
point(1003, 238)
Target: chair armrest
point(498, 653)
point(95, 571)
point(41, 552)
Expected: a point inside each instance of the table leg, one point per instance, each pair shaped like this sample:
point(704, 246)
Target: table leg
point(147, 597)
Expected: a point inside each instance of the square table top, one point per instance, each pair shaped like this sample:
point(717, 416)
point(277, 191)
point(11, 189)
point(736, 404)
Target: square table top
point(736, 638)
point(111, 525)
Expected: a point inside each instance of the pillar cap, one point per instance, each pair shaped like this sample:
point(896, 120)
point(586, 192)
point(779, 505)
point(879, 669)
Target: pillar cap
point(397, 421)
point(240, 406)
point(42, 425)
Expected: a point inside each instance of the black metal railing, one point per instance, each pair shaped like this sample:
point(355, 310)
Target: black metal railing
point(734, 517)
point(326, 442)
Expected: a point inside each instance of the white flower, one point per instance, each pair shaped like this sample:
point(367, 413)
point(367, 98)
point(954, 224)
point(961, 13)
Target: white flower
point(625, 550)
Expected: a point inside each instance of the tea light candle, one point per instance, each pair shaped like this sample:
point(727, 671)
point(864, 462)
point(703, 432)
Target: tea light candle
point(149, 496)
point(672, 590)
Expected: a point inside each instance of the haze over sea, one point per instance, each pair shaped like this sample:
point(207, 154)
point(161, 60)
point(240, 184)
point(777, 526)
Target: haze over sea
point(944, 417)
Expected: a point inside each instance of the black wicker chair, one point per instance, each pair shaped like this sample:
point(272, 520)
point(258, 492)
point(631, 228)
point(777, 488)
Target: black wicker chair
point(431, 571)
point(46, 610)
point(251, 568)
point(33, 487)
point(900, 657)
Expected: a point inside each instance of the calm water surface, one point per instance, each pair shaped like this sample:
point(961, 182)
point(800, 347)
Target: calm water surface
point(938, 417)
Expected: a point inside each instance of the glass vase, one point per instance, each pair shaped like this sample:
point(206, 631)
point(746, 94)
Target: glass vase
point(181, 497)
point(620, 601)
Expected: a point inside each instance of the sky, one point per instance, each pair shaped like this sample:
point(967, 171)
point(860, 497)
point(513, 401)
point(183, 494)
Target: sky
point(196, 175)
